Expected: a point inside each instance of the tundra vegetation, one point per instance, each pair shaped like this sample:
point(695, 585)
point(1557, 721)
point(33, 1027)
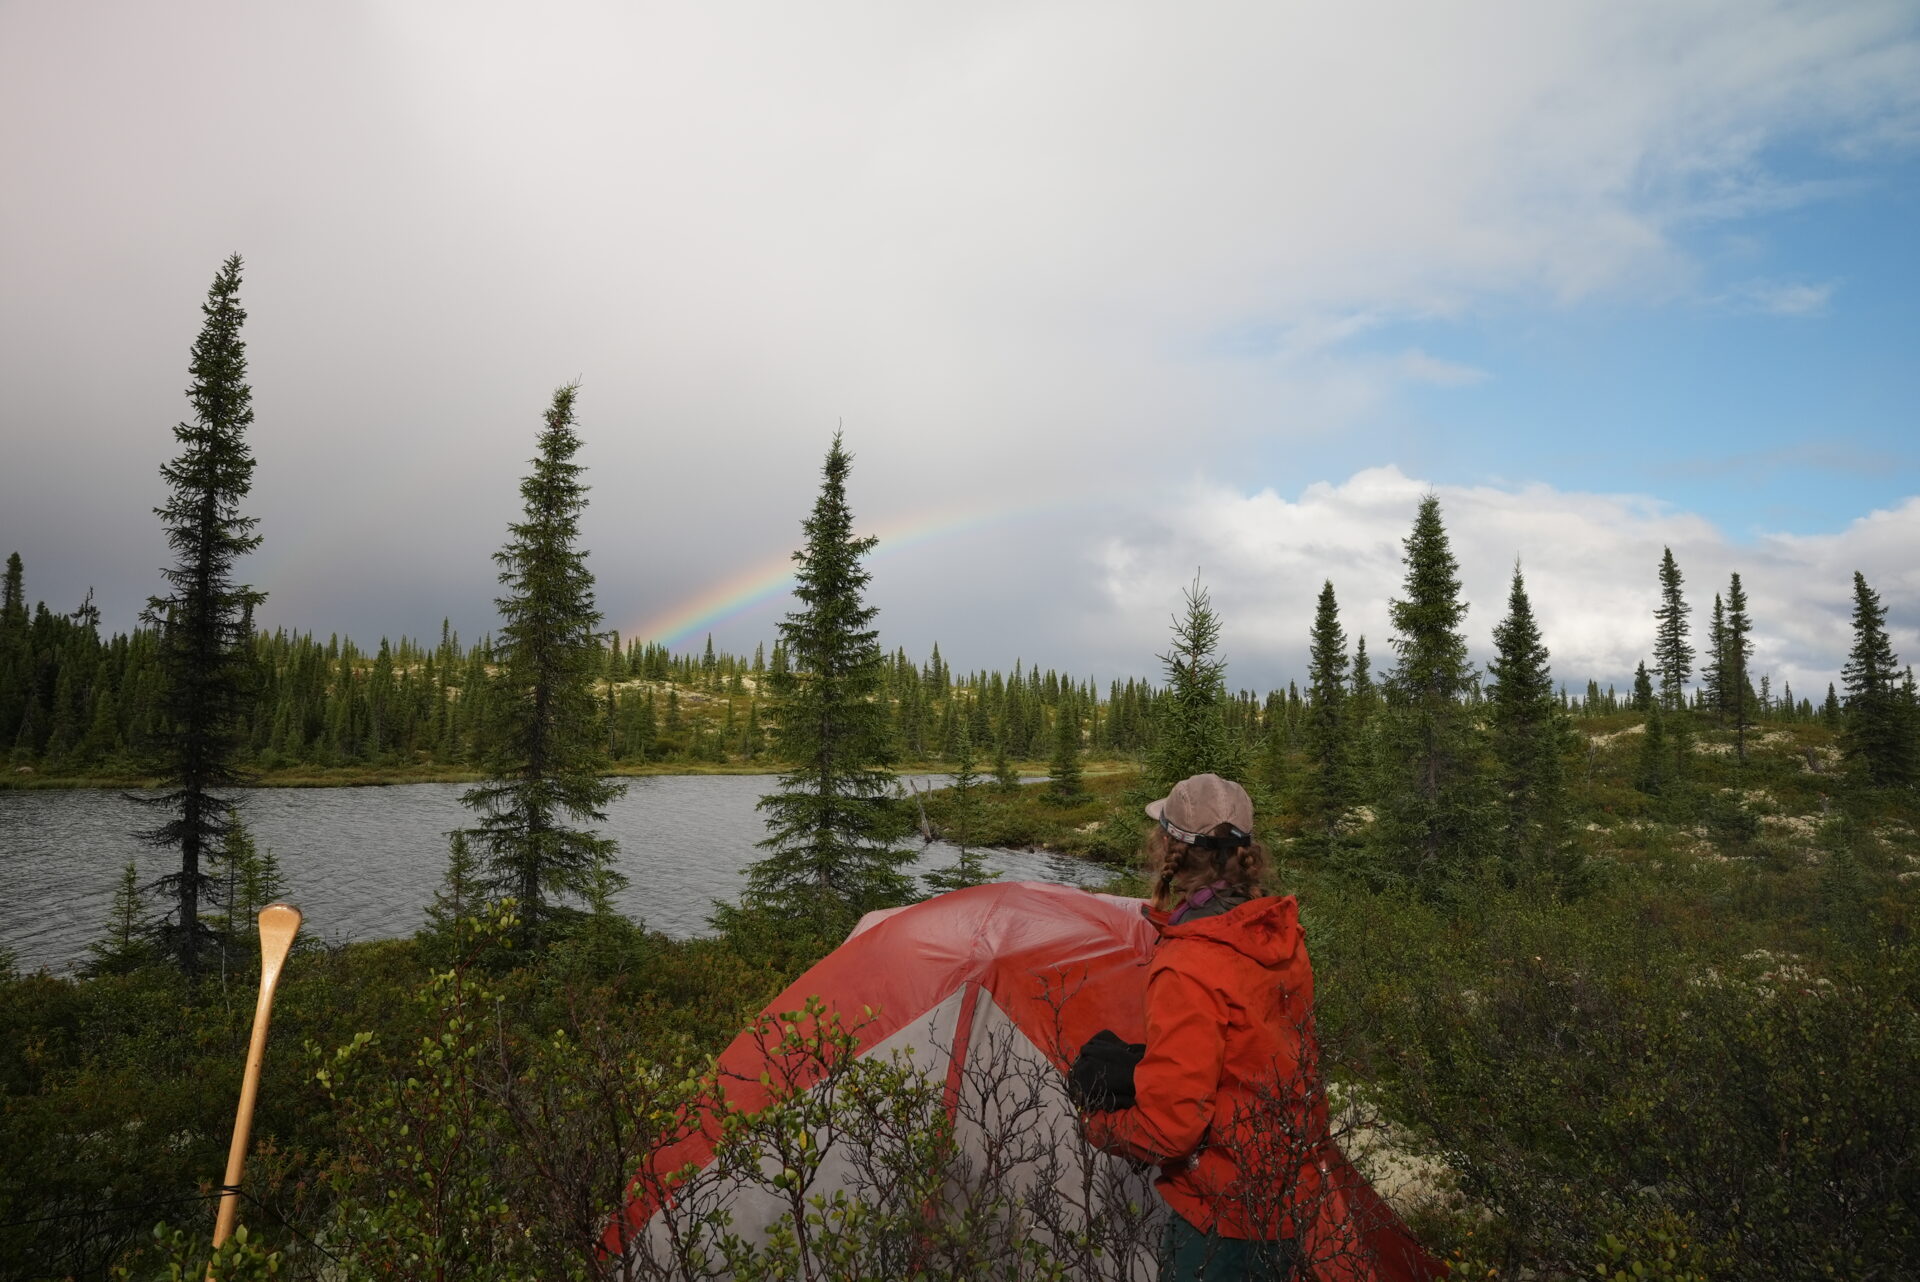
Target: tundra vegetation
point(1609, 984)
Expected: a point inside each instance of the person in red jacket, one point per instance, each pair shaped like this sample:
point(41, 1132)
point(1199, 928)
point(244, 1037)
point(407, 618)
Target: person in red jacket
point(1226, 1101)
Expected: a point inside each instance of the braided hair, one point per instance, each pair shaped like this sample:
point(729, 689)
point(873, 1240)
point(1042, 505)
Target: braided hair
point(1179, 868)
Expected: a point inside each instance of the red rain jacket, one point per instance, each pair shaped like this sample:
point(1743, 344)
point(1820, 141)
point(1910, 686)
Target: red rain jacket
point(1229, 1104)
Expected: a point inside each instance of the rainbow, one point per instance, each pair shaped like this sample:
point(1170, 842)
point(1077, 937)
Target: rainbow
point(768, 580)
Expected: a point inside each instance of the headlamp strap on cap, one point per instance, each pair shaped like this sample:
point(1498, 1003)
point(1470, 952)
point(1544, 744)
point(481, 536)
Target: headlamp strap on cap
point(1232, 839)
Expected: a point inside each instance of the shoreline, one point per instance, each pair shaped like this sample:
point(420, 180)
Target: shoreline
point(393, 776)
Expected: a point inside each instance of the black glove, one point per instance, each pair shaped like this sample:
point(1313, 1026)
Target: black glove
point(1101, 1078)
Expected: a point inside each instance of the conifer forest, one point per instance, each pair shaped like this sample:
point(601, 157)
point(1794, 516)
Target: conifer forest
point(1611, 982)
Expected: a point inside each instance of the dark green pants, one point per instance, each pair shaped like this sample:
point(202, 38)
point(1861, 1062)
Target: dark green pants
point(1188, 1255)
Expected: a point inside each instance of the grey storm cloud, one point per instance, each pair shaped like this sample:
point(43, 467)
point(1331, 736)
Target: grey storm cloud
point(1005, 244)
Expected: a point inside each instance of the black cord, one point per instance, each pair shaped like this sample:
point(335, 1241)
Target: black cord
point(287, 1224)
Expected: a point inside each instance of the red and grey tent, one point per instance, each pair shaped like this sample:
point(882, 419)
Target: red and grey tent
point(989, 991)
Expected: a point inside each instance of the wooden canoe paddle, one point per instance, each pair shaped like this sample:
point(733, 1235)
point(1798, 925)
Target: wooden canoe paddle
point(279, 923)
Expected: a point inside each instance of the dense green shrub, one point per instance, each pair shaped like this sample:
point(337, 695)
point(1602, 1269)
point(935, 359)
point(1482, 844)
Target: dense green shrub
point(1586, 1080)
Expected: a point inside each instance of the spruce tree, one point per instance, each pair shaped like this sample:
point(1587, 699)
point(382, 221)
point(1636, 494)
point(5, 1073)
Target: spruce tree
point(1673, 657)
point(1066, 788)
point(460, 894)
point(1431, 823)
point(13, 598)
point(238, 871)
point(833, 825)
point(13, 650)
point(1713, 673)
point(1366, 696)
point(205, 622)
point(1680, 737)
point(1642, 688)
point(1527, 733)
point(128, 941)
point(968, 867)
point(1191, 736)
point(1006, 775)
point(1327, 783)
point(543, 754)
point(1737, 690)
point(1877, 735)
point(1655, 764)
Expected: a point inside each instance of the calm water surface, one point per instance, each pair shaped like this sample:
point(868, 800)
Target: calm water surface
point(362, 863)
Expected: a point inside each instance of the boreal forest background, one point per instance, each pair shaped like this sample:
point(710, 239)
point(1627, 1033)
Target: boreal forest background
point(75, 704)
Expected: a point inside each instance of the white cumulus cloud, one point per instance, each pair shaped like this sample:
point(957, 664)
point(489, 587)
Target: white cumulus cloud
point(1589, 560)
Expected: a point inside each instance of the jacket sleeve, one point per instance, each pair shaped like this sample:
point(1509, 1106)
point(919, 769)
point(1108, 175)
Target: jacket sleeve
point(1175, 1083)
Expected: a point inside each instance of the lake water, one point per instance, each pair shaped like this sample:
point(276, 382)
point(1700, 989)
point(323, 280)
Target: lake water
point(362, 863)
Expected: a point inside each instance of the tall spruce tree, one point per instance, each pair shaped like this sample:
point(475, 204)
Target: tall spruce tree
point(833, 825)
point(1431, 824)
point(1327, 784)
point(1527, 734)
point(1713, 672)
point(13, 650)
point(1877, 735)
point(1366, 695)
point(1672, 656)
point(542, 751)
point(1737, 688)
point(205, 621)
point(1191, 735)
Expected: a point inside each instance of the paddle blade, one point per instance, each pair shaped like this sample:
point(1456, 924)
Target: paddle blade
point(279, 923)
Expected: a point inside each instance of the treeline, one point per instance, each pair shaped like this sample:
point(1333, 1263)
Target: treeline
point(72, 702)
point(75, 703)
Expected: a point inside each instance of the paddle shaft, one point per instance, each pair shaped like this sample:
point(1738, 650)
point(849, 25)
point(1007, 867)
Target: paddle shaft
point(278, 924)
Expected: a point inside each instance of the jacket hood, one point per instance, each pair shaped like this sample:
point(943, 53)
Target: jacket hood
point(1265, 929)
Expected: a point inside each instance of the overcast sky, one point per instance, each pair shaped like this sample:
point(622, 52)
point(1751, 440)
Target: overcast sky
point(1102, 293)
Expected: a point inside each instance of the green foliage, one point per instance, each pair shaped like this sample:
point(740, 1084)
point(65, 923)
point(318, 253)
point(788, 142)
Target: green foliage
point(462, 895)
point(1328, 784)
point(1006, 778)
point(833, 824)
point(1528, 735)
point(127, 943)
point(249, 880)
point(416, 1185)
point(1191, 735)
point(1606, 1083)
point(1654, 771)
point(205, 623)
point(1881, 724)
point(1432, 823)
point(1065, 787)
point(1729, 821)
point(176, 1255)
point(1642, 688)
point(1737, 696)
point(1673, 657)
point(1612, 1087)
point(969, 868)
point(544, 759)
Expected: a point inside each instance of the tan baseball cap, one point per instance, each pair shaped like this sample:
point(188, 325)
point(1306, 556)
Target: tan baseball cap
point(1198, 805)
